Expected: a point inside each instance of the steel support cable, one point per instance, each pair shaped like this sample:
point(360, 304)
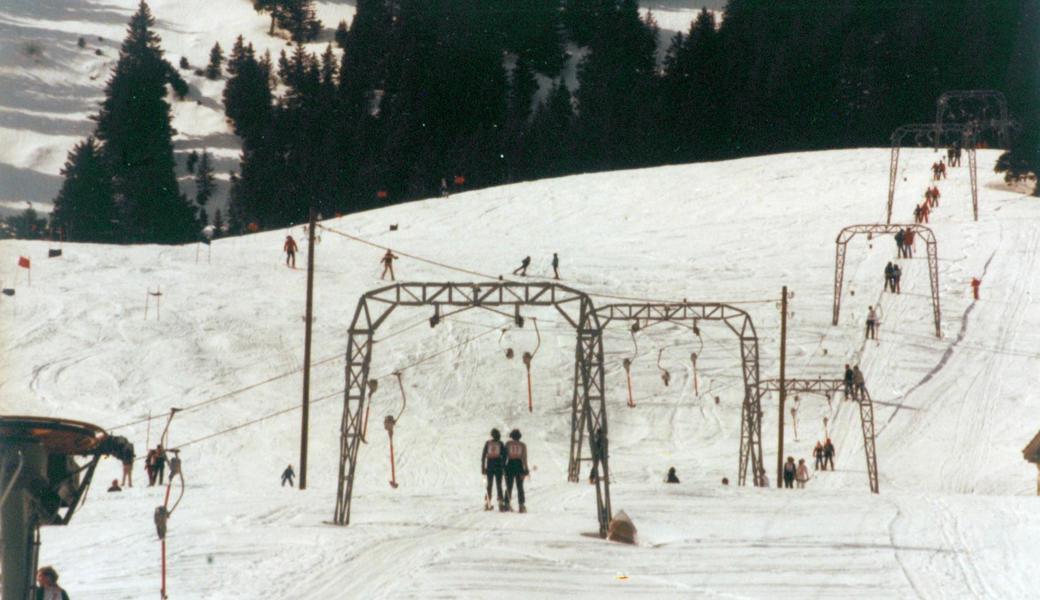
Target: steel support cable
point(497, 277)
point(226, 395)
point(338, 393)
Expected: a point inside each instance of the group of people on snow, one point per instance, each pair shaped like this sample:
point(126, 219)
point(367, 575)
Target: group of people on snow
point(509, 459)
point(893, 273)
point(953, 155)
point(854, 383)
point(939, 170)
point(824, 455)
point(526, 262)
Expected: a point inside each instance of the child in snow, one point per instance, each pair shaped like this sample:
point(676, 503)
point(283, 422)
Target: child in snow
point(802, 474)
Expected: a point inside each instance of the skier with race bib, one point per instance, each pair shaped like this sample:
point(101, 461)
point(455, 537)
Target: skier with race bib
point(492, 464)
point(516, 470)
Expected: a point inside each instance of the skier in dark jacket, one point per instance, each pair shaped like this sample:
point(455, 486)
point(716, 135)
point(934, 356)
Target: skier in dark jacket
point(516, 469)
point(47, 585)
point(492, 464)
point(287, 475)
point(522, 269)
point(889, 279)
point(828, 454)
point(789, 471)
point(847, 381)
point(672, 477)
point(818, 455)
point(160, 463)
point(897, 275)
point(900, 249)
point(556, 266)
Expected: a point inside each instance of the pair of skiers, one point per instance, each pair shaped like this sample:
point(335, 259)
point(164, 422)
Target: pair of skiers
point(854, 383)
point(953, 155)
point(824, 454)
point(508, 458)
point(526, 262)
point(921, 212)
point(793, 473)
point(905, 243)
point(931, 197)
point(892, 276)
point(939, 170)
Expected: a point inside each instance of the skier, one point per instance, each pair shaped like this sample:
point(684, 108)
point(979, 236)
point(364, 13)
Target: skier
point(942, 169)
point(516, 469)
point(290, 251)
point(917, 214)
point(149, 467)
point(935, 171)
point(47, 587)
point(159, 466)
point(388, 264)
point(897, 274)
point(444, 188)
point(818, 455)
point(828, 454)
point(802, 474)
point(522, 269)
point(872, 323)
point(936, 194)
point(928, 196)
point(847, 381)
point(975, 283)
point(556, 266)
point(287, 475)
point(908, 242)
point(924, 213)
point(491, 465)
point(115, 486)
point(859, 383)
point(889, 278)
point(672, 477)
point(789, 471)
point(900, 243)
point(128, 467)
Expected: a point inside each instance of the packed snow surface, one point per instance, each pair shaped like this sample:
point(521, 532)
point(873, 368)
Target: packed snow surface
point(956, 517)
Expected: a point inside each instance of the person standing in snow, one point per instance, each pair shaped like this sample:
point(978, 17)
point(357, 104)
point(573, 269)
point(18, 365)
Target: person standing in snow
point(556, 266)
point(942, 169)
point(872, 323)
point(917, 214)
point(928, 196)
point(889, 286)
point(522, 269)
point(516, 470)
point(47, 587)
point(128, 468)
point(975, 283)
point(818, 455)
point(290, 251)
point(936, 194)
point(802, 474)
point(897, 274)
point(444, 188)
point(924, 213)
point(672, 477)
point(388, 264)
point(789, 471)
point(847, 382)
point(828, 454)
point(908, 242)
point(900, 239)
point(287, 475)
point(160, 463)
point(859, 383)
point(492, 465)
point(149, 467)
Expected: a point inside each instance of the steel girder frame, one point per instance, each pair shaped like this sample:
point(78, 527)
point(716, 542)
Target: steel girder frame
point(851, 231)
point(976, 107)
point(739, 323)
point(934, 135)
point(588, 410)
point(829, 387)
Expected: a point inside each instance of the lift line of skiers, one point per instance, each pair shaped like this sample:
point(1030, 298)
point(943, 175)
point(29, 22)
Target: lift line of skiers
point(154, 466)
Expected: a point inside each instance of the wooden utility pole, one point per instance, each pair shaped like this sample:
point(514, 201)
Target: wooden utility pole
point(305, 413)
point(783, 395)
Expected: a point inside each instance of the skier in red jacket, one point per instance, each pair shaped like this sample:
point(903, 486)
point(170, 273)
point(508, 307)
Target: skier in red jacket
point(290, 251)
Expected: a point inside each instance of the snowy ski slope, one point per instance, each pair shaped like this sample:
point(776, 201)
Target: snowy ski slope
point(956, 517)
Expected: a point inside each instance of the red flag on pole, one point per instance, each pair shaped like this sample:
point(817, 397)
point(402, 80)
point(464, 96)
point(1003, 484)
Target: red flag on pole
point(23, 262)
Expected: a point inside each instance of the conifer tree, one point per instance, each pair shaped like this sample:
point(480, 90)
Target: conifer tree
point(133, 126)
point(193, 159)
point(85, 207)
point(216, 59)
point(218, 224)
point(342, 34)
point(204, 185)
